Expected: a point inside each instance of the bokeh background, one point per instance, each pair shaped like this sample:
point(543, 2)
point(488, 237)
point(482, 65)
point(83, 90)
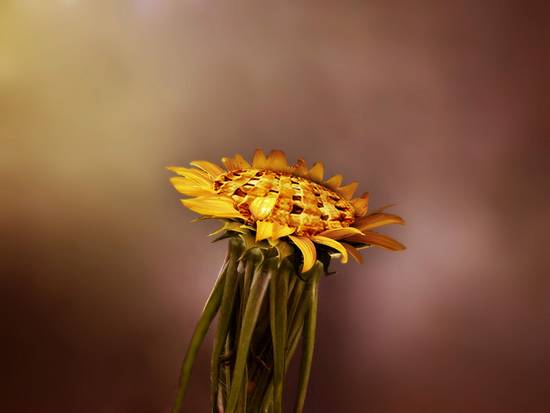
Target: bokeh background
point(438, 107)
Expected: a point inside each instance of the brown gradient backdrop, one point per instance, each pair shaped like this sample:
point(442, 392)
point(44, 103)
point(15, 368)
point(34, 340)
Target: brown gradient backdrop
point(438, 107)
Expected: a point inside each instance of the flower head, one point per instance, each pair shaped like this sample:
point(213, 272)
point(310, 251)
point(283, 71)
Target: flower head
point(275, 201)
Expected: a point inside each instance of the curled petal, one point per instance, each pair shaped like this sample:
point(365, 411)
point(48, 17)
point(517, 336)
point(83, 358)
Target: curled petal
point(377, 220)
point(334, 182)
point(341, 233)
point(378, 240)
point(216, 206)
point(348, 190)
point(308, 251)
point(329, 242)
point(210, 168)
point(259, 160)
point(261, 207)
point(354, 252)
point(317, 171)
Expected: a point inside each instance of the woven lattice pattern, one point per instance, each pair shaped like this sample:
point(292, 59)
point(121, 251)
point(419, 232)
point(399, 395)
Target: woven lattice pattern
point(299, 203)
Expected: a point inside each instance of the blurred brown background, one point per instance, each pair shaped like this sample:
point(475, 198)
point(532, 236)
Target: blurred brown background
point(439, 107)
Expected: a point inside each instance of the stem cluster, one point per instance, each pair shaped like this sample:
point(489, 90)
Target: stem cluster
point(264, 307)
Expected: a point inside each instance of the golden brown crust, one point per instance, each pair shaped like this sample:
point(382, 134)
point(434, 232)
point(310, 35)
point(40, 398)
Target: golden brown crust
point(300, 203)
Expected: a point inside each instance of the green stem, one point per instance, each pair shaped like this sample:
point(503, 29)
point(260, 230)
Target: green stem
point(258, 290)
point(278, 300)
point(208, 314)
point(299, 306)
point(310, 325)
point(225, 312)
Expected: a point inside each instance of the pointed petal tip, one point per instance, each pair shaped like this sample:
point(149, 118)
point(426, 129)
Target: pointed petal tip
point(317, 171)
point(348, 190)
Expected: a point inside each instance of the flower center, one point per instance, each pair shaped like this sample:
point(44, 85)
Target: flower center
point(286, 199)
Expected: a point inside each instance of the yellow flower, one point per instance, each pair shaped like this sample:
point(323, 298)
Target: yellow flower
point(277, 200)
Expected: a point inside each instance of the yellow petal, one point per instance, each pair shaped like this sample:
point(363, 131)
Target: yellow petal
point(334, 182)
point(377, 220)
point(378, 240)
point(300, 167)
point(230, 163)
point(280, 230)
point(308, 251)
point(317, 171)
point(259, 160)
point(329, 242)
point(261, 207)
point(341, 233)
point(216, 206)
point(354, 252)
point(199, 177)
point(243, 163)
point(348, 190)
point(277, 160)
point(210, 168)
point(361, 205)
point(264, 230)
point(190, 187)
